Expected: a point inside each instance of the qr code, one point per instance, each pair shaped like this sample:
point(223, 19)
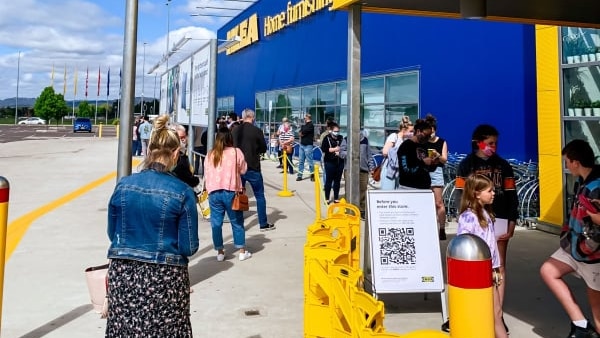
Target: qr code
point(397, 246)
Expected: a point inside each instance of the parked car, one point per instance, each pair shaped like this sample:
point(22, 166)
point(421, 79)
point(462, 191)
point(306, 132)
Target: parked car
point(82, 124)
point(33, 120)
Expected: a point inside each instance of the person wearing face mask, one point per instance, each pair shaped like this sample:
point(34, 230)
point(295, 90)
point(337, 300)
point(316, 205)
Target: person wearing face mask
point(485, 161)
point(183, 170)
point(413, 159)
point(390, 167)
point(333, 158)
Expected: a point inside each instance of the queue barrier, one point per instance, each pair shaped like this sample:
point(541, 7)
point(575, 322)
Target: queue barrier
point(335, 303)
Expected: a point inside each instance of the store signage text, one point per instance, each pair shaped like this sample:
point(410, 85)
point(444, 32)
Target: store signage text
point(247, 30)
point(293, 14)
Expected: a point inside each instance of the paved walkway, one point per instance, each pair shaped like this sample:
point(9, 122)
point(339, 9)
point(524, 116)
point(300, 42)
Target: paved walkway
point(58, 198)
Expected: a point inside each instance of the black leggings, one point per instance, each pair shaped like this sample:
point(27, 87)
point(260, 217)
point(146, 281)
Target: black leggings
point(333, 177)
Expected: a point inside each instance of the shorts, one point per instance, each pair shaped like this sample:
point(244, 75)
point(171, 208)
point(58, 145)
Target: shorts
point(590, 273)
point(437, 177)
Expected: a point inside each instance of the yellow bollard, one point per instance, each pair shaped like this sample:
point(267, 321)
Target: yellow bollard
point(117, 126)
point(470, 286)
point(285, 192)
point(317, 193)
point(4, 193)
point(100, 130)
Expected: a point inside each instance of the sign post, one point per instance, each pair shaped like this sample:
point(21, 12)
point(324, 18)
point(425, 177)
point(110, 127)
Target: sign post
point(405, 250)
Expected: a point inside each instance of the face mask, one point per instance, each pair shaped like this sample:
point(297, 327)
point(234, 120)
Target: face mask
point(335, 133)
point(432, 136)
point(408, 135)
point(486, 149)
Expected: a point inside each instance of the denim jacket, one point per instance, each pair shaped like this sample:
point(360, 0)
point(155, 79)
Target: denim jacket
point(152, 218)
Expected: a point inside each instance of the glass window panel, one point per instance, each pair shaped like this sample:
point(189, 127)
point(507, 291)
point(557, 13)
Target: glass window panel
point(342, 118)
point(581, 90)
point(326, 94)
point(372, 90)
point(372, 116)
point(376, 137)
point(587, 129)
point(395, 112)
point(295, 97)
point(260, 100)
point(309, 97)
point(403, 88)
point(580, 45)
point(342, 93)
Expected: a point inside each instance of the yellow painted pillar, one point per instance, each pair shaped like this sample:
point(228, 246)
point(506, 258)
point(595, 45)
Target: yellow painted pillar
point(549, 124)
point(100, 130)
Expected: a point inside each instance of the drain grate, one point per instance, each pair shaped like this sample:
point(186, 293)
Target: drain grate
point(251, 312)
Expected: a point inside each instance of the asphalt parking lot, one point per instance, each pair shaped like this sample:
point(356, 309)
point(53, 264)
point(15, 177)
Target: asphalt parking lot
point(12, 133)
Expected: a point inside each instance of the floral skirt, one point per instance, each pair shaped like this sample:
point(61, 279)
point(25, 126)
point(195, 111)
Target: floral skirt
point(148, 300)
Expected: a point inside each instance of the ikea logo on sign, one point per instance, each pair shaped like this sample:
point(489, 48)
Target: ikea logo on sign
point(247, 30)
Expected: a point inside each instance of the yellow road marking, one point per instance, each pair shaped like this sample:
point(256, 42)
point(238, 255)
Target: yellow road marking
point(17, 229)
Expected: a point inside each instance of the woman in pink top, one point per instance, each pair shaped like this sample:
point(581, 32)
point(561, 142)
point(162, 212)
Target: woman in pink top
point(223, 166)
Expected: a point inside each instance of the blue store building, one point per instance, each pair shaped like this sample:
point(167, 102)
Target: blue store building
point(293, 59)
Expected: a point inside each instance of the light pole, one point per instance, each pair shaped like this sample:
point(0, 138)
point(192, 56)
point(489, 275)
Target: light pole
point(167, 51)
point(142, 107)
point(154, 97)
point(18, 77)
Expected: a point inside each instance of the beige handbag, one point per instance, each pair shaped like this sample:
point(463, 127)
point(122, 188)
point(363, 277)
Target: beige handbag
point(97, 282)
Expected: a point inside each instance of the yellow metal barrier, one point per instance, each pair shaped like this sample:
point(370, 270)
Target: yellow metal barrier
point(335, 303)
point(100, 130)
point(285, 192)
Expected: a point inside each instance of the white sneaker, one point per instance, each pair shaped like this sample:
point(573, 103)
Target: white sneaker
point(220, 257)
point(245, 255)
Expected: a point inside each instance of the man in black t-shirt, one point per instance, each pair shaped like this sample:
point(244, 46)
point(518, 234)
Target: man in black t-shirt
point(414, 161)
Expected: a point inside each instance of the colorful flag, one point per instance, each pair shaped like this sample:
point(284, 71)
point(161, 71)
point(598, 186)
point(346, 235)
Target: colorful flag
point(75, 84)
point(108, 83)
point(87, 75)
point(98, 81)
point(65, 81)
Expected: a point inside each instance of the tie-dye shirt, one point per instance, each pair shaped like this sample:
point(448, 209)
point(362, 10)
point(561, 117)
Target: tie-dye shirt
point(469, 224)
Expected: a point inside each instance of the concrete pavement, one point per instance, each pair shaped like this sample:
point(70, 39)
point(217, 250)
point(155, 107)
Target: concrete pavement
point(58, 198)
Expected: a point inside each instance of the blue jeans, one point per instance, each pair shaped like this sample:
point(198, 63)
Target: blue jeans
point(135, 145)
point(306, 152)
point(256, 182)
point(220, 202)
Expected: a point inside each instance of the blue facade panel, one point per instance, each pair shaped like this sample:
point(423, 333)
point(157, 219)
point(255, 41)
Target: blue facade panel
point(471, 71)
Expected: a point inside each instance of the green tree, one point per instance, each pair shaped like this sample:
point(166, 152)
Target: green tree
point(50, 105)
point(84, 109)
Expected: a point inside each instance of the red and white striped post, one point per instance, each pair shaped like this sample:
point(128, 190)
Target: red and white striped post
point(4, 193)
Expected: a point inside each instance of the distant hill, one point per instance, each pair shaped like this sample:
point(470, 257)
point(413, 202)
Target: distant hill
point(30, 102)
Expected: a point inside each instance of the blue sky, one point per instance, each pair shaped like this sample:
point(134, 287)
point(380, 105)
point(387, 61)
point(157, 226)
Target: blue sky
point(89, 34)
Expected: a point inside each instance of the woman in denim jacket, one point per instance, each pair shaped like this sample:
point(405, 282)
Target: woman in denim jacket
point(153, 229)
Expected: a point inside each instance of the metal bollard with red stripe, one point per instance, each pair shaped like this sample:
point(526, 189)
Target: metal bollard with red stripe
point(4, 192)
point(470, 297)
